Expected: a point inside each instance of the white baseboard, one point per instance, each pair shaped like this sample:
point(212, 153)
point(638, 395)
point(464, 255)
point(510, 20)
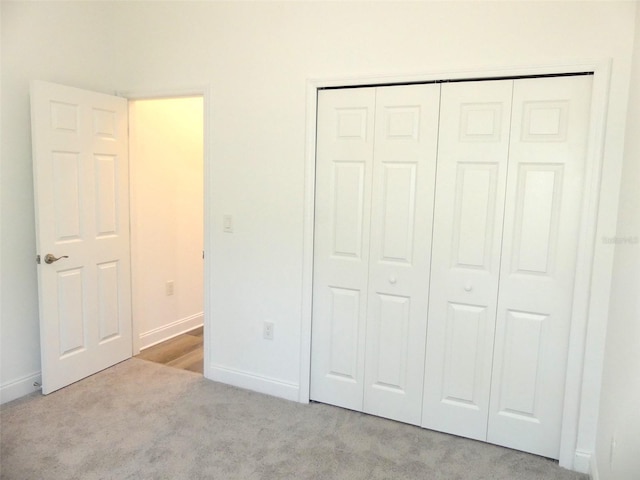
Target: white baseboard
point(165, 332)
point(593, 469)
point(582, 461)
point(257, 383)
point(20, 387)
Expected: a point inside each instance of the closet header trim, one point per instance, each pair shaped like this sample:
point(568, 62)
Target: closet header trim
point(458, 80)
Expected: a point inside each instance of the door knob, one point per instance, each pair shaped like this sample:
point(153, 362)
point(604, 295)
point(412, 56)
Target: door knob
point(49, 259)
point(392, 279)
point(468, 287)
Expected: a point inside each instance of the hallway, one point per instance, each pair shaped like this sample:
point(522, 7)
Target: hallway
point(185, 352)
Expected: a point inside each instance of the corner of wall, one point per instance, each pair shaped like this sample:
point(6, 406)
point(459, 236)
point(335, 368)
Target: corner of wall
point(616, 443)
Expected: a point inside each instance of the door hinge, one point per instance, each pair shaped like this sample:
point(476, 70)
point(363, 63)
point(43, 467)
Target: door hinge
point(38, 259)
point(202, 253)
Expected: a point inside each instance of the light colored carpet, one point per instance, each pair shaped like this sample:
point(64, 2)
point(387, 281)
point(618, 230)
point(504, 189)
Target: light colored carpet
point(139, 420)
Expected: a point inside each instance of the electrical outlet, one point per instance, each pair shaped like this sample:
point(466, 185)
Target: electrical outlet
point(267, 331)
point(169, 288)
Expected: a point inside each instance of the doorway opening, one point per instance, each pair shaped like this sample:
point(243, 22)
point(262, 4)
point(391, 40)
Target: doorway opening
point(166, 147)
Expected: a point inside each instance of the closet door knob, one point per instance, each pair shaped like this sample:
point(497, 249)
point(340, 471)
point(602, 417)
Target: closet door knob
point(468, 287)
point(392, 279)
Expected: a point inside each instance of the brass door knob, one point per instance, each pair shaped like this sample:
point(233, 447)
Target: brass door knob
point(48, 258)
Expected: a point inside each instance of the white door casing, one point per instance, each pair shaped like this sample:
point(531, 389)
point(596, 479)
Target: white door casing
point(81, 188)
point(499, 315)
point(545, 184)
point(593, 260)
point(406, 128)
point(473, 150)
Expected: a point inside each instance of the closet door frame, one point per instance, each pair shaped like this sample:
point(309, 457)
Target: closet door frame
point(594, 260)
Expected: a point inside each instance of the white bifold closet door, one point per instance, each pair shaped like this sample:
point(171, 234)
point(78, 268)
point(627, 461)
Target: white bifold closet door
point(472, 170)
point(545, 183)
point(375, 177)
point(509, 190)
point(344, 169)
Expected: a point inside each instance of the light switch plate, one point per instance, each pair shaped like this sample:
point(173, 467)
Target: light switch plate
point(227, 223)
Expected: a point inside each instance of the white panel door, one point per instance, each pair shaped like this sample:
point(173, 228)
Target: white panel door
point(472, 170)
point(82, 217)
point(401, 220)
point(344, 163)
point(543, 200)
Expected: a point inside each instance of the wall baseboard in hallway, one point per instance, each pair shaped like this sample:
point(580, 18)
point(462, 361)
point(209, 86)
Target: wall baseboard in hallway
point(161, 334)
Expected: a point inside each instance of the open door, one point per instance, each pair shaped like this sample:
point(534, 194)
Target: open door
point(81, 184)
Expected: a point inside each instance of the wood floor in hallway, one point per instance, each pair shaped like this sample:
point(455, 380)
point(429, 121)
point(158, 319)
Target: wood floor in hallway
point(185, 352)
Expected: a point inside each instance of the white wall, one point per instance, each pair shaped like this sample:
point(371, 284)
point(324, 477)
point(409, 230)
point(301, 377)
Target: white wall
point(257, 57)
point(620, 404)
point(65, 43)
point(166, 145)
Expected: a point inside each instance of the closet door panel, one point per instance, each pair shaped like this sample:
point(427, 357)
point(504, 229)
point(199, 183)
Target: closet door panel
point(398, 215)
point(544, 195)
point(391, 337)
point(469, 203)
point(344, 165)
point(401, 221)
